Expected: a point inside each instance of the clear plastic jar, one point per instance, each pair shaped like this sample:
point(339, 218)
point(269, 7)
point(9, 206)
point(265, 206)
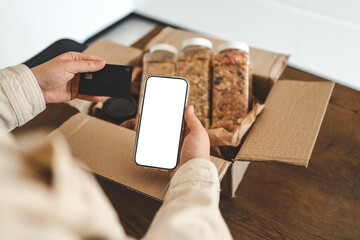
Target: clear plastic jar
point(160, 60)
point(194, 64)
point(230, 95)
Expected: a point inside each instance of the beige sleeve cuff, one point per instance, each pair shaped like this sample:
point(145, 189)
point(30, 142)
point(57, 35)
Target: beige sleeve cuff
point(191, 205)
point(196, 170)
point(22, 93)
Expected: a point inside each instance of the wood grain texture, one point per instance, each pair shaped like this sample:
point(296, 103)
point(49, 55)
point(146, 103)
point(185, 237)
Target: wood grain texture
point(274, 200)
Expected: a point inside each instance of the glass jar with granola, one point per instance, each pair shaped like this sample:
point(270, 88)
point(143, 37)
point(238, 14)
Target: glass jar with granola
point(194, 64)
point(230, 94)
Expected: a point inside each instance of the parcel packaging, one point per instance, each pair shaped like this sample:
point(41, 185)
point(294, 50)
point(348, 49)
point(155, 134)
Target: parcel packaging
point(107, 150)
point(285, 131)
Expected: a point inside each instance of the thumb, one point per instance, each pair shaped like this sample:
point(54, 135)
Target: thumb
point(192, 122)
point(84, 66)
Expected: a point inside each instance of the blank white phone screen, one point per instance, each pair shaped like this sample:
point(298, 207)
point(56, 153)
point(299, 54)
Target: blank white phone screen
point(160, 123)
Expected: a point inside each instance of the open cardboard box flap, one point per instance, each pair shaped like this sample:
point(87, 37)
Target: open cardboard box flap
point(267, 65)
point(115, 53)
point(107, 150)
point(287, 128)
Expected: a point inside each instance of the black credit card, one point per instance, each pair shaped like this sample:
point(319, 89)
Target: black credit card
point(111, 81)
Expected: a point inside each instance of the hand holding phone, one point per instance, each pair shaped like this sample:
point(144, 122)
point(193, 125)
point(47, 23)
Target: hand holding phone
point(196, 142)
point(161, 122)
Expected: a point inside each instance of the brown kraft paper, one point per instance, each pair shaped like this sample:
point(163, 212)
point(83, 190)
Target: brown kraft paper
point(222, 137)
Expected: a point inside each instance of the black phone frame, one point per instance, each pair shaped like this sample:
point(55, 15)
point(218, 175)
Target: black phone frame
point(182, 122)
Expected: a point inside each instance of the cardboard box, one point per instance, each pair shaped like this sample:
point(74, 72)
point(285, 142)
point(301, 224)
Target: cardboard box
point(287, 128)
point(285, 131)
point(107, 150)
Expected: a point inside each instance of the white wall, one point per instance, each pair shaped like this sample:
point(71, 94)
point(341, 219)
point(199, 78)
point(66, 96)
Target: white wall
point(322, 36)
point(27, 27)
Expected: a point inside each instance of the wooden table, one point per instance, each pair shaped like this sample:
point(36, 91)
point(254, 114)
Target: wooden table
point(274, 200)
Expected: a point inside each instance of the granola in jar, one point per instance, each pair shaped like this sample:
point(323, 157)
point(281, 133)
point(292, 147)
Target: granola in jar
point(194, 64)
point(160, 60)
point(230, 92)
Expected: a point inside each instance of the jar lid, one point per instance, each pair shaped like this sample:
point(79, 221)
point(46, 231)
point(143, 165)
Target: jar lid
point(234, 45)
point(164, 47)
point(120, 108)
point(197, 42)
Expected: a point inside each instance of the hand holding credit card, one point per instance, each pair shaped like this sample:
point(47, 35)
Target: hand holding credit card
point(111, 81)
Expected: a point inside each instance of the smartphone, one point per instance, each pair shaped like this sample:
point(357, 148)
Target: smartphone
point(161, 121)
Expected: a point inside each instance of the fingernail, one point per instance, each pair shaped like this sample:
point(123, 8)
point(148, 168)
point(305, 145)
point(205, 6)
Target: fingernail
point(99, 63)
point(192, 108)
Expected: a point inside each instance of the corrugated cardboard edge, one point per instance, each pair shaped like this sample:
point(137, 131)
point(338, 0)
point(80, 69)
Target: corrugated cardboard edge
point(221, 166)
point(124, 185)
point(254, 139)
point(233, 178)
point(78, 121)
point(278, 66)
point(237, 173)
point(115, 53)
